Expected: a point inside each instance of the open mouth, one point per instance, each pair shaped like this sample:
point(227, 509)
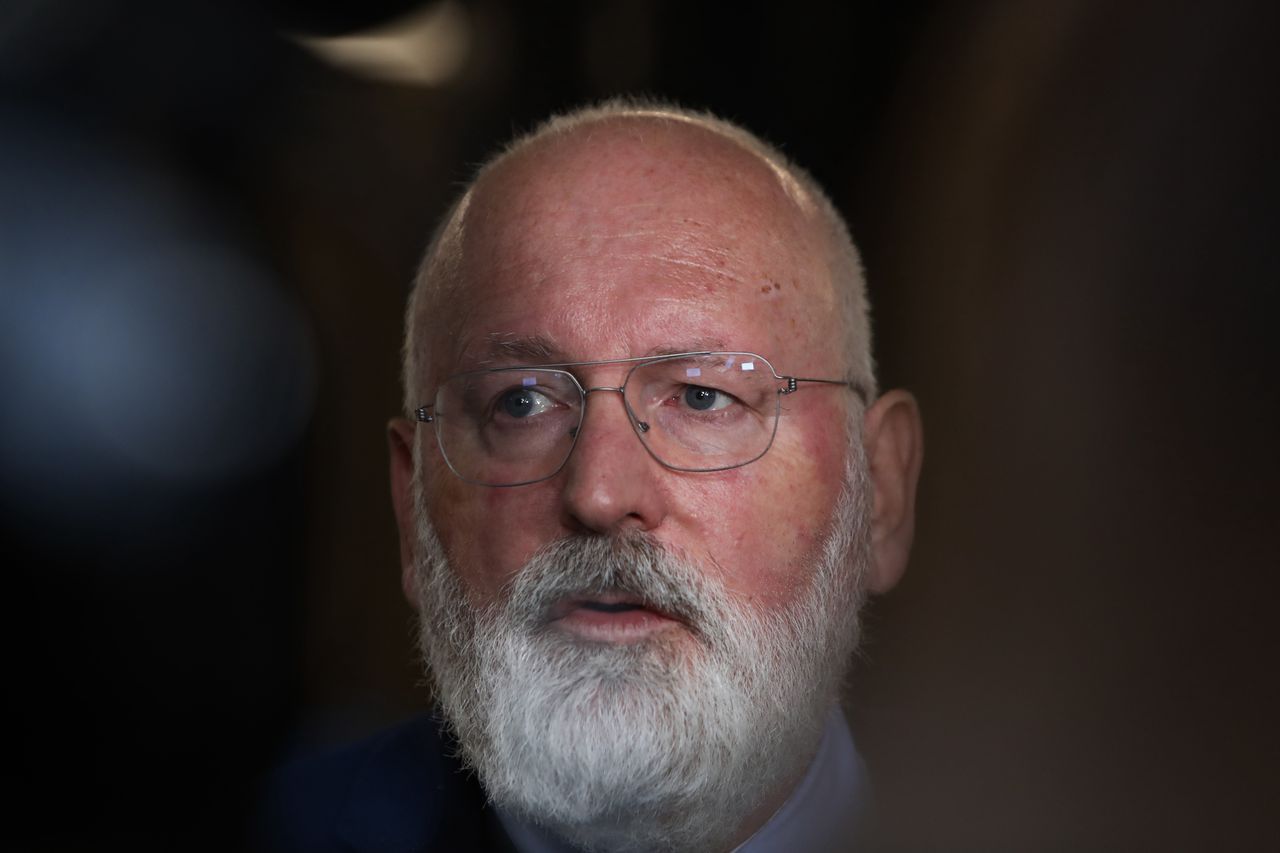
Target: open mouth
point(603, 607)
point(610, 618)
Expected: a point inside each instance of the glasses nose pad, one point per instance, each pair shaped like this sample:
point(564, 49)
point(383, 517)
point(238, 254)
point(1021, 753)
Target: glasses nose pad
point(641, 426)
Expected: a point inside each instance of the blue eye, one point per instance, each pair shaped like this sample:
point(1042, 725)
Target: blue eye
point(523, 402)
point(703, 399)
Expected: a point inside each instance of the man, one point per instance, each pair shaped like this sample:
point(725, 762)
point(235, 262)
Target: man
point(643, 487)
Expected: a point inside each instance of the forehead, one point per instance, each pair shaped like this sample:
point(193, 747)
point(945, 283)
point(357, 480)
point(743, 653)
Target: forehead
point(627, 236)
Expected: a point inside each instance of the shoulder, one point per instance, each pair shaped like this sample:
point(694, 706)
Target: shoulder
point(400, 791)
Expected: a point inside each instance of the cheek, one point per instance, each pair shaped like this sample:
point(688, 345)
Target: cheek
point(762, 525)
point(487, 533)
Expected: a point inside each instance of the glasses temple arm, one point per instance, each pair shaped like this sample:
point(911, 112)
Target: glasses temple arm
point(854, 386)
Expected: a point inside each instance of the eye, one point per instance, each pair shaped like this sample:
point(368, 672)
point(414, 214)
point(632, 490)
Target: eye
point(523, 403)
point(703, 399)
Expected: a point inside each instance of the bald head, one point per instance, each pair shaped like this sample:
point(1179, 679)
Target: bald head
point(724, 209)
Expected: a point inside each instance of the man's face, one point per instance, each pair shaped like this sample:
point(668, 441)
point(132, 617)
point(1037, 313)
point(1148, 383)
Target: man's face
point(616, 247)
point(622, 647)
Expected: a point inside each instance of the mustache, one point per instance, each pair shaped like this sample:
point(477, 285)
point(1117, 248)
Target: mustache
point(634, 565)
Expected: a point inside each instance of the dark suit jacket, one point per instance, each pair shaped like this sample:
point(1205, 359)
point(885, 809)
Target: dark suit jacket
point(400, 791)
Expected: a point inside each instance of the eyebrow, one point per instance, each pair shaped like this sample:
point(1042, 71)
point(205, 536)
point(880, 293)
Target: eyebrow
point(532, 350)
point(503, 349)
point(500, 346)
point(699, 345)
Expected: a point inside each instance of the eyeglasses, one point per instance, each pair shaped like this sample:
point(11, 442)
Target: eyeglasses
point(693, 411)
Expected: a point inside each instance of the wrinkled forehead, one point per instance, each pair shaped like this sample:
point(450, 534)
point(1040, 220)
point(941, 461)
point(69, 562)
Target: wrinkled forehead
point(671, 206)
point(633, 171)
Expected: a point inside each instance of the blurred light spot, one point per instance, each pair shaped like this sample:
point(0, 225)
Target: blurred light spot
point(191, 365)
point(427, 47)
point(144, 353)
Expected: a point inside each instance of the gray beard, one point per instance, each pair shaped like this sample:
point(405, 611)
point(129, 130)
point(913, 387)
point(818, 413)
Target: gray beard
point(660, 744)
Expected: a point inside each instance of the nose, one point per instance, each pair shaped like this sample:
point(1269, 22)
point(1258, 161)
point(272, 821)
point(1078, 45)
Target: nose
point(611, 483)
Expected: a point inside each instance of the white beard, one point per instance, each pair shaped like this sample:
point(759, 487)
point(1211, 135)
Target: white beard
point(668, 743)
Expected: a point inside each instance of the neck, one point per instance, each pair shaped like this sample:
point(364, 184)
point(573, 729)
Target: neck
point(766, 810)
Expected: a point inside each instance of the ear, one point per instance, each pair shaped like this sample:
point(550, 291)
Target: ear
point(893, 438)
point(400, 437)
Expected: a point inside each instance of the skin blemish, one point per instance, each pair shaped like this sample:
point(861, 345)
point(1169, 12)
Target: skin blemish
point(770, 286)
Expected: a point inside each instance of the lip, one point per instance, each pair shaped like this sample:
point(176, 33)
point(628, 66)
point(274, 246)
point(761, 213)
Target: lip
point(611, 618)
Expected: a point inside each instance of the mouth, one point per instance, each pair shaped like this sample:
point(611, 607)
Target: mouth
point(611, 618)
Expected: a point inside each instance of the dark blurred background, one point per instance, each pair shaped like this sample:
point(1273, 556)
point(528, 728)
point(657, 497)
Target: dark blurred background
point(209, 216)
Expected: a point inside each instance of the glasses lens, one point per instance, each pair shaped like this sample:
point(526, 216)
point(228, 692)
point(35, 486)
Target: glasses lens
point(707, 412)
point(506, 427)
